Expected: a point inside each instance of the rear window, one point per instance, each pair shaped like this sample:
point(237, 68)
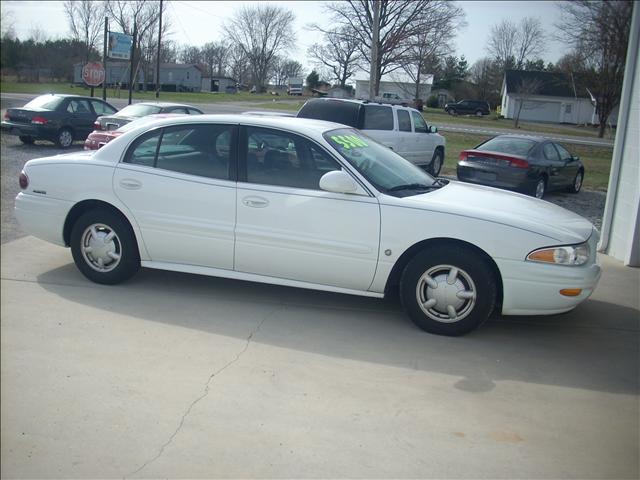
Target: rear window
point(138, 110)
point(46, 102)
point(377, 117)
point(510, 145)
point(345, 113)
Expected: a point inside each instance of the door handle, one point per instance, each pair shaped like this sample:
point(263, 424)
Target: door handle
point(255, 202)
point(130, 184)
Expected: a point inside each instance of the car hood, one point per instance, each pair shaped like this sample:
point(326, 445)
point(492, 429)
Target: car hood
point(502, 207)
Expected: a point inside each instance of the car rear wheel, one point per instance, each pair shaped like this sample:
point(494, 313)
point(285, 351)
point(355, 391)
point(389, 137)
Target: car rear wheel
point(104, 247)
point(577, 182)
point(448, 290)
point(65, 138)
point(540, 188)
point(451, 111)
point(478, 113)
point(436, 163)
point(26, 139)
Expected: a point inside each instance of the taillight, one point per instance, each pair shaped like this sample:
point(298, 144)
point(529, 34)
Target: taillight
point(6, 115)
point(518, 163)
point(38, 120)
point(23, 180)
point(97, 125)
point(463, 156)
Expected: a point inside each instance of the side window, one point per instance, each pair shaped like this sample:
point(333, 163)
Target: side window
point(202, 150)
point(404, 122)
point(143, 149)
point(102, 108)
point(550, 152)
point(284, 159)
point(78, 106)
point(193, 111)
point(378, 118)
point(564, 153)
point(178, 110)
point(419, 123)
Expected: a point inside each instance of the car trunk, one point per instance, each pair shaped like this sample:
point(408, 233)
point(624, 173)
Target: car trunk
point(20, 115)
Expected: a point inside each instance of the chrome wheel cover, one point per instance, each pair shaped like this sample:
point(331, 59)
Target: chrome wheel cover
point(101, 248)
point(540, 189)
point(446, 293)
point(65, 138)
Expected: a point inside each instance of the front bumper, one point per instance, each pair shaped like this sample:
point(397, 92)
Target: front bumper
point(531, 288)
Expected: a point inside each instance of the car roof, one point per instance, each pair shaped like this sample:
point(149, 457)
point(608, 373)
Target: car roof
point(70, 95)
point(358, 102)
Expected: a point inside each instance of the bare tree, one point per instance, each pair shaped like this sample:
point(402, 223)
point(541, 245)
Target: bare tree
point(7, 25)
point(397, 22)
point(526, 88)
point(190, 54)
point(239, 65)
point(261, 32)
point(339, 53)
point(215, 55)
point(86, 22)
point(433, 41)
point(483, 75)
point(511, 45)
point(284, 69)
point(599, 33)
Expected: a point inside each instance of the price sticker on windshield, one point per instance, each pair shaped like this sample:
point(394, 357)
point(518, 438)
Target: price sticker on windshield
point(349, 141)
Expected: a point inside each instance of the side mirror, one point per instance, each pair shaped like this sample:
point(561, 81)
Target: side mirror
point(338, 181)
point(432, 129)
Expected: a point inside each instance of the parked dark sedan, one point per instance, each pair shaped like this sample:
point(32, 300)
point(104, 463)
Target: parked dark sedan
point(142, 109)
point(58, 118)
point(533, 165)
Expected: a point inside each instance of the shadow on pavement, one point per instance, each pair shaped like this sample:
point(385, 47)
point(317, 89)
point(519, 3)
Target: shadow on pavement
point(594, 347)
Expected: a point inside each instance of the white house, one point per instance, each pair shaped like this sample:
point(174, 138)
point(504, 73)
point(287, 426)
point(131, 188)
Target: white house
point(403, 86)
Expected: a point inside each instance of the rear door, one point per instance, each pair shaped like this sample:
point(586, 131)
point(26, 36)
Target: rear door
point(179, 184)
point(287, 227)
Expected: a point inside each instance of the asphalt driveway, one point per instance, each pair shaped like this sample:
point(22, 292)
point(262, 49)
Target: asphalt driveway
point(175, 375)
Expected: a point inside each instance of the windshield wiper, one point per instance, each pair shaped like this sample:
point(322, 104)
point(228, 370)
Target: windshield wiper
point(412, 186)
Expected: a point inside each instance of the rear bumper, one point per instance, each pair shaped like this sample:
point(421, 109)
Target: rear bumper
point(42, 216)
point(26, 129)
point(503, 177)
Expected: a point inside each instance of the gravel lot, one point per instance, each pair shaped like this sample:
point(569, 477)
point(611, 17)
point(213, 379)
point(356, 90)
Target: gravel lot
point(14, 155)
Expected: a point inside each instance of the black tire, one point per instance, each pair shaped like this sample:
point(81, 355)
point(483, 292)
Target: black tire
point(451, 111)
point(123, 244)
point(539, 189)
point(479, 113)
point(436, 163)
point(26, 139)
point(576, 185)
point(474, 275)
point(64, 138)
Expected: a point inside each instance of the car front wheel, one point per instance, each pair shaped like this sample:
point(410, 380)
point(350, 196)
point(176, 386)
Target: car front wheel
point(104, 247)
point(540, 188)
point(26, 139)
point(436, 163)
point(577, 182)
point(448, 290)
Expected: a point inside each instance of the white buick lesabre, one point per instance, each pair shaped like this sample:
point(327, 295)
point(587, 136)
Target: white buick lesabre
point(310, 204)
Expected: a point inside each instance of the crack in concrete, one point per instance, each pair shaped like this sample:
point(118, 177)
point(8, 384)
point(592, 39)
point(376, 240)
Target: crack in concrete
point(204, 393)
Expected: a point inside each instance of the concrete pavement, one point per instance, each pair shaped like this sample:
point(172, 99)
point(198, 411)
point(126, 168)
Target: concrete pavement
point(174, 375)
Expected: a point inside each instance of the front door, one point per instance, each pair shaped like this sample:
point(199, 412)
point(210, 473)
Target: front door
point(178, 182)
point(82, 117)
point(287, 227)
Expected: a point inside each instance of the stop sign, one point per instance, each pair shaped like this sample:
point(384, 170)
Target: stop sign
point(93, 74)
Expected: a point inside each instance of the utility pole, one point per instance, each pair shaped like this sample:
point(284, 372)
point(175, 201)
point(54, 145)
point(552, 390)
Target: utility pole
point(104, 58)
point(158, 55)
point(133, 54)
point(373, 70)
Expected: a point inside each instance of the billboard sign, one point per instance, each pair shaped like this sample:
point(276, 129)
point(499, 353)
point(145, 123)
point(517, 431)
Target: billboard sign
point(119, 46)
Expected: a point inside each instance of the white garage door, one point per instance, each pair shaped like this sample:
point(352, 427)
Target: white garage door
point(538, 111)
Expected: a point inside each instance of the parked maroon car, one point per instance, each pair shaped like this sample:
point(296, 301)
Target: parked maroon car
point(99, 138)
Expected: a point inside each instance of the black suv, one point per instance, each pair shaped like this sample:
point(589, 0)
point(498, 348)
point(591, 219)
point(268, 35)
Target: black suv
point(468, 107)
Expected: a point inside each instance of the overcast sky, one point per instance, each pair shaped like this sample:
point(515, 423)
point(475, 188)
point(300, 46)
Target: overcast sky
point(199, 22)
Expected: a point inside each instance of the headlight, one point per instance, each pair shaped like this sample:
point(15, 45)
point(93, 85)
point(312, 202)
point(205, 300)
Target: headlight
point(565, 255)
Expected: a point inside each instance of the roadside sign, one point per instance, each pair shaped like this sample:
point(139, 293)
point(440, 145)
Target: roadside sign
point(93, 74)
point(119, 46)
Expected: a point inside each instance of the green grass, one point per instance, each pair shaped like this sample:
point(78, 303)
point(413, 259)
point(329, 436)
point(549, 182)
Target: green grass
point(180, 97)
point(596, 160)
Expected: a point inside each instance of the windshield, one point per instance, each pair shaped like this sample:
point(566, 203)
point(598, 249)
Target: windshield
point(138, 110)
point(386, 170)
point(511, 145)
point(46, 102)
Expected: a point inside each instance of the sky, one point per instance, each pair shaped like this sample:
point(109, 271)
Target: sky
point(199, 22)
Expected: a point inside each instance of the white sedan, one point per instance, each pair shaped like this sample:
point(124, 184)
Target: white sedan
point(309, 204)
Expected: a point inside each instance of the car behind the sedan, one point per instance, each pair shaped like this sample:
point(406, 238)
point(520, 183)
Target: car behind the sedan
point(531, 165)
point(308, 204)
